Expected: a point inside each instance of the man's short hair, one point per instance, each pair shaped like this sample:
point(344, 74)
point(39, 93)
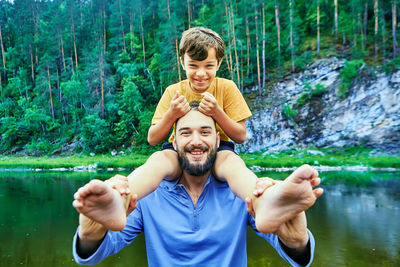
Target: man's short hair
point(196, 42)
point(194, 105)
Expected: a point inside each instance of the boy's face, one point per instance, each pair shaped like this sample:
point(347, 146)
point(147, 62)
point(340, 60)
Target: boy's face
point(201, 73)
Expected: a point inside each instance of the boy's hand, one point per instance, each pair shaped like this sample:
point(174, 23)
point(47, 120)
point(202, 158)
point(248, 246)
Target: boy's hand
point(208, 105)
point(179, 105)
point(120, 183)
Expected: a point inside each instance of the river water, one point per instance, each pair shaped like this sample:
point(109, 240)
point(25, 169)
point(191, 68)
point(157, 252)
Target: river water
point(355, 223)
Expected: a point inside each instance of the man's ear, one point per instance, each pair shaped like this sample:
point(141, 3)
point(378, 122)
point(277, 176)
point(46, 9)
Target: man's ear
point(182, 62)
point(174, 142)
point(218, 139)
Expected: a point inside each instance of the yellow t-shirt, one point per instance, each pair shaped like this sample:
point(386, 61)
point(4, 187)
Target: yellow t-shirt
point(225, 92)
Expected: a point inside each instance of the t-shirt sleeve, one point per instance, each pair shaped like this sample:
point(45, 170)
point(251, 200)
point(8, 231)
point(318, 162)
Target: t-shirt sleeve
point(164, 103)
point(234, 104)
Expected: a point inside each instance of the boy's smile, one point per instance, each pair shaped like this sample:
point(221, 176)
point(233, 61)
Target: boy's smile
point(201, 73)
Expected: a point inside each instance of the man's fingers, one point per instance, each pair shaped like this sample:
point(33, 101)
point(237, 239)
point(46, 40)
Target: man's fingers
point(250, 208)
point(262, 184)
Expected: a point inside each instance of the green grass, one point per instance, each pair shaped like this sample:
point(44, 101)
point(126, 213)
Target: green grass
point(331, 157)
point(101, 161)
point(353, 156)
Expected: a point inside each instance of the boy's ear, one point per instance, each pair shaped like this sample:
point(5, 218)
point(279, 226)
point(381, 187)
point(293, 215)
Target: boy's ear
point(182, 62)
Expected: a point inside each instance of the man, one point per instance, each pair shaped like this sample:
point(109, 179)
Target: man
point(197, 220)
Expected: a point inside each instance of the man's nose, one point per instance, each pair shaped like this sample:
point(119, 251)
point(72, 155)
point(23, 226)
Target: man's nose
point(196, 139)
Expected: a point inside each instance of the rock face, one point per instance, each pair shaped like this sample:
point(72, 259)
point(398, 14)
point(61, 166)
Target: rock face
point(369, 115)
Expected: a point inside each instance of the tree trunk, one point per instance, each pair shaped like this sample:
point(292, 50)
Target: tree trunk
point(142, 33)
point(383, 32)
point(394, 25)
point(364, 37)
point(278, 32)
point(122, 24)
point(32, 66)
point(257, 53)
point(76, 54)
point(62, 52)
point(104, 32)
point(235, 48)
point(318, 28)
point(177, 59)
point(336, 18)
point(376, 28)
point(263, 47)
point(4, 62)
point(229, 55)
point(248, 46)
point(51, 97)
point(189, 13)
point(102, 84)
point(291, 34)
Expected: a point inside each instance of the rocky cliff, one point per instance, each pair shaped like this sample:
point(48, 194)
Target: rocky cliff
point(369, 115)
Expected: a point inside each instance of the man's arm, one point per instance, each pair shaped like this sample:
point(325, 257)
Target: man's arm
point(90, 236)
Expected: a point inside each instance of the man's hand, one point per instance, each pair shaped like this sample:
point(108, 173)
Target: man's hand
point(208, 105)
point(179, 106)
point(292, 233)
point(120, 183)
point(261, 185)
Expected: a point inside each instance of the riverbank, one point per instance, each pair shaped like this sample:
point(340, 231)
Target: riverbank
point(324, 159)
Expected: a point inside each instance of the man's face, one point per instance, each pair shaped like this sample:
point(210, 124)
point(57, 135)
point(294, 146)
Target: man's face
point(196, 142)
point(201, 73)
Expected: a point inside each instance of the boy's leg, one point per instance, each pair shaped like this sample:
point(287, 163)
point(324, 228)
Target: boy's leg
point(279, 203)
point(101, 203)
point(286, 199)
point(160, 165)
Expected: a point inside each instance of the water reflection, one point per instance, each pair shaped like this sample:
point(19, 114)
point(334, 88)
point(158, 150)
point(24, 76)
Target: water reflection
point(354, 225)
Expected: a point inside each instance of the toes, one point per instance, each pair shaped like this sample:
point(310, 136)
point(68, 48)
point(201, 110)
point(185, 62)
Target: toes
point(318, 192)
point(315, 181)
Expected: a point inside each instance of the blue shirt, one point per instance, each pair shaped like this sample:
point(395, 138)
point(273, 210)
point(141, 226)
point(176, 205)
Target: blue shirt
point(177, 233)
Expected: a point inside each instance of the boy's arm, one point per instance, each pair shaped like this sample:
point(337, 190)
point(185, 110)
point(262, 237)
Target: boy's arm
point(235, 130)
point(179, 107)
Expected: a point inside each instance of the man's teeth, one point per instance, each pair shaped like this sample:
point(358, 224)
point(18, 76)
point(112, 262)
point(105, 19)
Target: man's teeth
point(196, 153)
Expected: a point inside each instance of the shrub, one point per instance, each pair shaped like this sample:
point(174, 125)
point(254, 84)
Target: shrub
point(348, 74)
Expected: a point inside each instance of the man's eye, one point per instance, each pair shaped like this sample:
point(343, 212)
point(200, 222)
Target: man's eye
point(205, 132)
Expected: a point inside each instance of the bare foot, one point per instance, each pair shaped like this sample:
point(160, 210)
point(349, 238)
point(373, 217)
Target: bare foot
point(99, 202)
point(285, 200)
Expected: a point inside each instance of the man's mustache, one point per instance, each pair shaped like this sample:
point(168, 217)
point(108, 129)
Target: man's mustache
point(190, 148)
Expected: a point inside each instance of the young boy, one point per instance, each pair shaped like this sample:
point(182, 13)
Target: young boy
point(202, 51)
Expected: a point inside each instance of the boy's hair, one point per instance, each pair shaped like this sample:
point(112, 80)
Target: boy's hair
point(196, 42)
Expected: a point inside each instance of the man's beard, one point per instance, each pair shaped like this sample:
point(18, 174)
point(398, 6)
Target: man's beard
point(197, 169)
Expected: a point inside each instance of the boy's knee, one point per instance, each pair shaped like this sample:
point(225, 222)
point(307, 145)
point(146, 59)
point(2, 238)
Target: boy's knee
point(228, 156)
point(166, 156)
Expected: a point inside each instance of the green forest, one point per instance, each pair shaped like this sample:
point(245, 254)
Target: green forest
point(85, 76)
